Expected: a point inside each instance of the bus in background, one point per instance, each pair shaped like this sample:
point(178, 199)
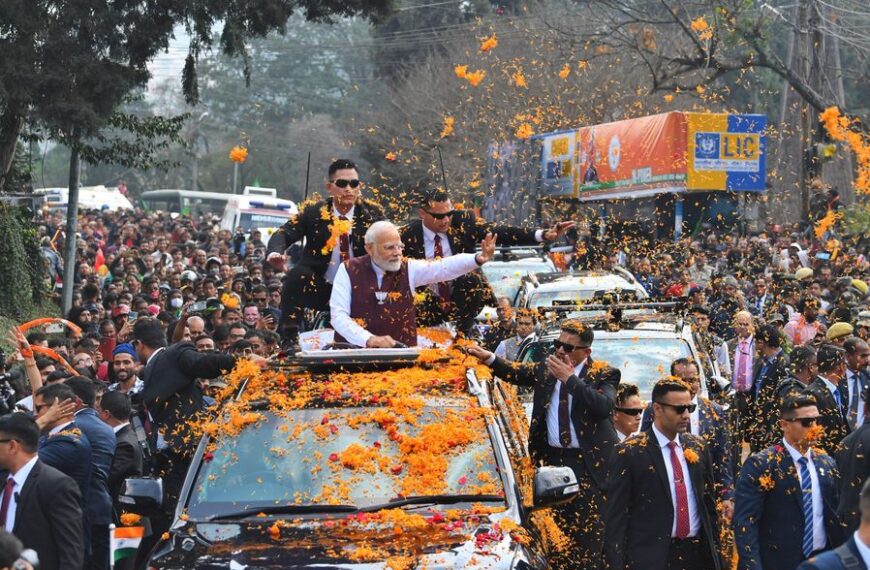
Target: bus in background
point(191, 202)
point(90, 198)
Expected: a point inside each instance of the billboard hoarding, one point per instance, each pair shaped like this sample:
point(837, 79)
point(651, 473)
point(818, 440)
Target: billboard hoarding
point(725, 152)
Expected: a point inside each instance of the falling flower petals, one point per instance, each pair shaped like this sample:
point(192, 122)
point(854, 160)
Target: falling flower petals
point(524, 131)
point(488, 43)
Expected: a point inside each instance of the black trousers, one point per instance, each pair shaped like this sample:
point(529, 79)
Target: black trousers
point(581, 520)
point(688, 554)
point(304, 288)
point(98, 559)
point(172, 468)
point(470, 294)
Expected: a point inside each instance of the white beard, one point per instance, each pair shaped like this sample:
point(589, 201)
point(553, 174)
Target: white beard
point(388, 265)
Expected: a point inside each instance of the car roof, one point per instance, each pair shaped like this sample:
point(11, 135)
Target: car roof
point(591, 281)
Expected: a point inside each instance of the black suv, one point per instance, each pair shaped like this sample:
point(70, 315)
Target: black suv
point(442, 481)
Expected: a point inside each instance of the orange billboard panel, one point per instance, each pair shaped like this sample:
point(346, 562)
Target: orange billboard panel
point(643, 155)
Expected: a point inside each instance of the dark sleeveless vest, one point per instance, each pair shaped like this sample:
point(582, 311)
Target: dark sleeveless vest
point(395, 315)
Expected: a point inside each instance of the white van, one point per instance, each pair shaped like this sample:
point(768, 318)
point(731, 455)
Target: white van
point(90, 198)
point(251, 212)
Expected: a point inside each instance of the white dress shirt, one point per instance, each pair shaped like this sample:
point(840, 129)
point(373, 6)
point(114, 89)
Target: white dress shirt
point(855, 388)
point(335, 258)
point(20, 477)
point(695, 418)
point(863, 549)
point(429, 242)
point(553, 413)
point(119, 427)
point(420, 272)
point(820, 541)
point(694, 516)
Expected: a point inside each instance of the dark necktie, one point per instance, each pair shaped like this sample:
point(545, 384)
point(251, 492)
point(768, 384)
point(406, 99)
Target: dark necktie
point(443, 288)
point(853, 405)
point(7, 498)
point(681, 497)
point(344, 243)
point(564, 416)
point(843, 400)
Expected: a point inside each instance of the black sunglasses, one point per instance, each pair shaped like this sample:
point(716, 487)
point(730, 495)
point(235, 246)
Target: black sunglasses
point(630, 411)
point(341, 183)
point(680, 408)
point(557, 344)
point(440, 216)
point(806, 422)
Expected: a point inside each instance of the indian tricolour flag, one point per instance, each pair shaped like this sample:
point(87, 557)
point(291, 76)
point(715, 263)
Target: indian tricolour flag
point(125, 542)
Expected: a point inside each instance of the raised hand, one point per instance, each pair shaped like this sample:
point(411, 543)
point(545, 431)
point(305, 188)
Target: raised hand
point(487, 249)
point(558, 230)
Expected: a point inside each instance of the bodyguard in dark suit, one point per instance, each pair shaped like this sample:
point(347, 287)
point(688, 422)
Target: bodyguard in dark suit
point(709, 421)
point(115, 410)
point(444, 230)
point(786, 496)
point(803, 369)
point(171, 397)
point(853, 461)
point(571, 426)
point(831, 394)
point(42, 507)
point(63, 445)
point(309, 283)
point(661, 498)
point(854, 554)
point(98, 502)
point(857, 379)
point(770, 367)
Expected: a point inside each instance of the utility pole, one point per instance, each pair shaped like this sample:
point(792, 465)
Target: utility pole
point(72, 213)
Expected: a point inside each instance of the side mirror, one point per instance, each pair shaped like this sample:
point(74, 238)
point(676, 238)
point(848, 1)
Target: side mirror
point(553, 486)
point(143, 496)
point(722, 383)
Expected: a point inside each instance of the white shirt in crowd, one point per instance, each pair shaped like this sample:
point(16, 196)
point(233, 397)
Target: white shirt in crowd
point(420, 272)
point(694, 516)
point(20, 477)
point(335, 258)
point(854, 385)
point(820, 540)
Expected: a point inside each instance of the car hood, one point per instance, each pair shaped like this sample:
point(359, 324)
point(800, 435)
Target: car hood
point(323, 545)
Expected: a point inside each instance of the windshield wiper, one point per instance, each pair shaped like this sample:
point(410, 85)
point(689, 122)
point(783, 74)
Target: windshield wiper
point(435, 500)
point(284, 510)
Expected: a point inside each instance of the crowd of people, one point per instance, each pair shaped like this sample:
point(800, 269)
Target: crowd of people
point(164, 303)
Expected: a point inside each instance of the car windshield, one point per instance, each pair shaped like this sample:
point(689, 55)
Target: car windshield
point(252, 220)
point(539, 299)
point(641, 360)
point(505, 278)
point(337, 456)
